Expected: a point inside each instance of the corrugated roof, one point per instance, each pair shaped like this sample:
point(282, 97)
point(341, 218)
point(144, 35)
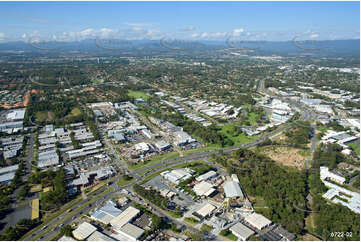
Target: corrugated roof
point(257, 220)
point(131, 231)
point(241, 230)
point(106, 213)
point(206, 210)
point(84, 231)
point(203, 188)
point(124, 217)
point(232, 189)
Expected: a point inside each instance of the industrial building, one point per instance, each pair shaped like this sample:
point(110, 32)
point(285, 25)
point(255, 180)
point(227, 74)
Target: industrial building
point(257, 221)
point(204, 189)
point(106, 213)
point(233, 190)
point(162, 145)
point(326, 174)
point(204, 211)
point(143, 147)
point(241, 231)
point(178, 175)
point(7, 174)
point(125, 217)
point(84, 231)
point(16, 115)
point(131, 232)
point(350, 199)
point(206, 176)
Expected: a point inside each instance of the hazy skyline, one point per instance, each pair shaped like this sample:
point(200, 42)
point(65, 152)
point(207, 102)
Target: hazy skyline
point(66, 21)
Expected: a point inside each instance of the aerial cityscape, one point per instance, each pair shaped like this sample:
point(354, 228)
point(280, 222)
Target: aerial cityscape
point(180, 121)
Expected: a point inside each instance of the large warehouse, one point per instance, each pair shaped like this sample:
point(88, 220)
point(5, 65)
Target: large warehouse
point(257, 221)
point(204, 189)
point(241, 231)
point(84, 231)
point(204, 211)
point(233, 190)
point(125, 217)
point(106, 213)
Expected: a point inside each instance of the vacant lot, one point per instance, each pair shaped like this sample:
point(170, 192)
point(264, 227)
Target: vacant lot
point(237, 138)
point(285, 155)
point(44, 116)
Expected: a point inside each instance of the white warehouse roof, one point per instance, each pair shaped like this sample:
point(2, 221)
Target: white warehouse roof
point(203, 189)
point(84, 231)
point(257, 220)
point(124, 217)
point(16, 114)
point(206, 210)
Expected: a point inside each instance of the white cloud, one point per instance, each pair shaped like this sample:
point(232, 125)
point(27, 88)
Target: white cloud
point(204, 35)
point(189, 28)
point(2, 36)
point(237, 32)
point(107, 33)
point(314, 36)
point(87, 33)
point(195, 35)
point(136, 29)
point(136, 24)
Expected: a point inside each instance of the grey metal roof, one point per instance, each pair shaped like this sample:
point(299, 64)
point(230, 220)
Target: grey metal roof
point(232, 189)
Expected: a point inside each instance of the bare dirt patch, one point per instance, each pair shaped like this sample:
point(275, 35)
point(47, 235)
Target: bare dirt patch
point(310, 237)
point(285, 155)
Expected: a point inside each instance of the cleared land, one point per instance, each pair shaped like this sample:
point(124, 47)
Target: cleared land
point(286, 155)
point(44, 116)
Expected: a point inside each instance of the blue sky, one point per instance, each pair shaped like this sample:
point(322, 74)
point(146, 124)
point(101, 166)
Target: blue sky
point(182, 20)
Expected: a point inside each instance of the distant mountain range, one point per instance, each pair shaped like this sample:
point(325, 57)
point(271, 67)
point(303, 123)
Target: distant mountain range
point(335, 48)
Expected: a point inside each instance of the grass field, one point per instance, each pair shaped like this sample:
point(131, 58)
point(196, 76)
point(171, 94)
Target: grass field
point(123, 182)
point(154, 160)
point(44, 116)
point(74, 112)
point(207, 148)
point(356, 147)
point(138, 94)
point(227, 130)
